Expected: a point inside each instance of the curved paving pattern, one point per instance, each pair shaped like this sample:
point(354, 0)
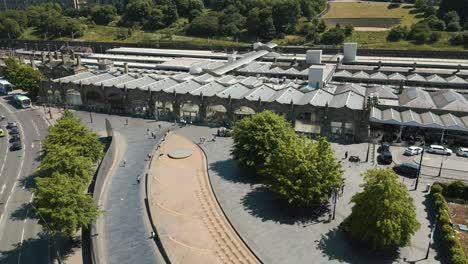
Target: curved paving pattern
point(192, 227)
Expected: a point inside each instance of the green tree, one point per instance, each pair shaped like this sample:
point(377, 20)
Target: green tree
point(11, 28)
point(384, 214)
point(285, 15)
point(260, 23)
point(333, 36)
point(103, 14)
point(205, 24)
point(62, 205)
point(23, 76)
point(68, 132)
point(257, 138)
point(65, 160)
point(304, 173)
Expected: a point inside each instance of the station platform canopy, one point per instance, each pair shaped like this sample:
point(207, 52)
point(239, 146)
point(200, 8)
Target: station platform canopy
point(424, 120)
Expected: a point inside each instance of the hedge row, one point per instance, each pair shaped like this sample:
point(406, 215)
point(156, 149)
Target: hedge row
point(450, 239)
point(454, 190)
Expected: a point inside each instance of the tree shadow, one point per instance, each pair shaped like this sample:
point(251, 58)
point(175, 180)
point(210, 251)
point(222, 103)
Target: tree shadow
point(415, 11)
point(33, 250)
point(336, 246)
point(231, 171)
point(437, 245)
point(264, 204)
point(24, 211)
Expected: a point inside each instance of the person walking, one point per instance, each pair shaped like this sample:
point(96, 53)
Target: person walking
point(346, 155)
point(126, 121)
point(124, 162)
point(138, 178)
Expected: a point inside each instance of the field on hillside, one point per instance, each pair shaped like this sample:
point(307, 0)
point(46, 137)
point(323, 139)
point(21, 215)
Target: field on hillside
point(370, 12)
point(378, 40)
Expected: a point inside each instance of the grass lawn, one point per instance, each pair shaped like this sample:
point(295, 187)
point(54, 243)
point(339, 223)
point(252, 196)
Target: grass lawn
point(378, 39)
point(372, 10)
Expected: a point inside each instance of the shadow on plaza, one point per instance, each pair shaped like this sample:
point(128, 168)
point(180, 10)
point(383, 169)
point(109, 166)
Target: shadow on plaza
point(336, 246)
point(264, 204)
point(231, 171)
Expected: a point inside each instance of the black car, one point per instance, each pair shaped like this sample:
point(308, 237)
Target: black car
point(386, 157)
point(407, 169)
point(16, 146)
point(384, 147)
point(11, 125)
point(15, 138)
point(14, 131)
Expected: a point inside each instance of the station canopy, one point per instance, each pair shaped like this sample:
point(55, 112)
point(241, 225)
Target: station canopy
point(424, 120)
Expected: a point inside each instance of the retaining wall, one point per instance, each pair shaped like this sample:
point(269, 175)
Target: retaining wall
point(99, 181)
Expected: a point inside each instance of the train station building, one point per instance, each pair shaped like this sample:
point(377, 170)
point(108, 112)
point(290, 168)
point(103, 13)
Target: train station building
point(341, 96)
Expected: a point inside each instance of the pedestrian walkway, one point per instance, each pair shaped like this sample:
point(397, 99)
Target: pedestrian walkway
point(190, 223)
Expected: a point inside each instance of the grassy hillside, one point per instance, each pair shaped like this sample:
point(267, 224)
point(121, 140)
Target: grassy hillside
point(372, 10)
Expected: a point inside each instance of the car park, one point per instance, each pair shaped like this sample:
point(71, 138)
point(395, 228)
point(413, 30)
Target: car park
point(407, 169)
point(11, 125)
point(16, 146)
point(462, 152)
point(413, 150)
point(437, 149)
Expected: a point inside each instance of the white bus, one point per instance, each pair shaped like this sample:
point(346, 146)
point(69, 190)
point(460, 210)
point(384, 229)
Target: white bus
point(22, 101)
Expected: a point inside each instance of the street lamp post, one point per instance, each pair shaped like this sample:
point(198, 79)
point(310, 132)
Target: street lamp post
point(419, 169)
point(442, 160)
point(335, 197)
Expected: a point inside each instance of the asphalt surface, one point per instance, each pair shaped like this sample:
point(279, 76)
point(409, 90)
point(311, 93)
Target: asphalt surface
point(126, 237)
point(21, 237)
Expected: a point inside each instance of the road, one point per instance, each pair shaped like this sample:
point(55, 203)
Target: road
point(21, 238)
point(126, 225)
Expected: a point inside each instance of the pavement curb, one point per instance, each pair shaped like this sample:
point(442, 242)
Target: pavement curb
point(416, 160)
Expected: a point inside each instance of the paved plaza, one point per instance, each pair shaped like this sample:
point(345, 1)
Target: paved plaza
point(272, 231)
point(190, 223)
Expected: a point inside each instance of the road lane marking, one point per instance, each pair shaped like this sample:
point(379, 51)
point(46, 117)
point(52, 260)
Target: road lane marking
point(35, 128)
point(22, 236)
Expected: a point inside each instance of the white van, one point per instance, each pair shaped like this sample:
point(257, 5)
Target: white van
point(462, 152)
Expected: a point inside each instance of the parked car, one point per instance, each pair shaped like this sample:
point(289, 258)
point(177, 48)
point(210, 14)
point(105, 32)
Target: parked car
point(413, 150)
point(15, 138)
point(462, 152)
point(11, 125)
point(437, 149)
point(2, 133)
point(354, 159)
point(407, 169)
point(14, 131)
point(16, 146)
point(384, 147)
point(386, 157)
